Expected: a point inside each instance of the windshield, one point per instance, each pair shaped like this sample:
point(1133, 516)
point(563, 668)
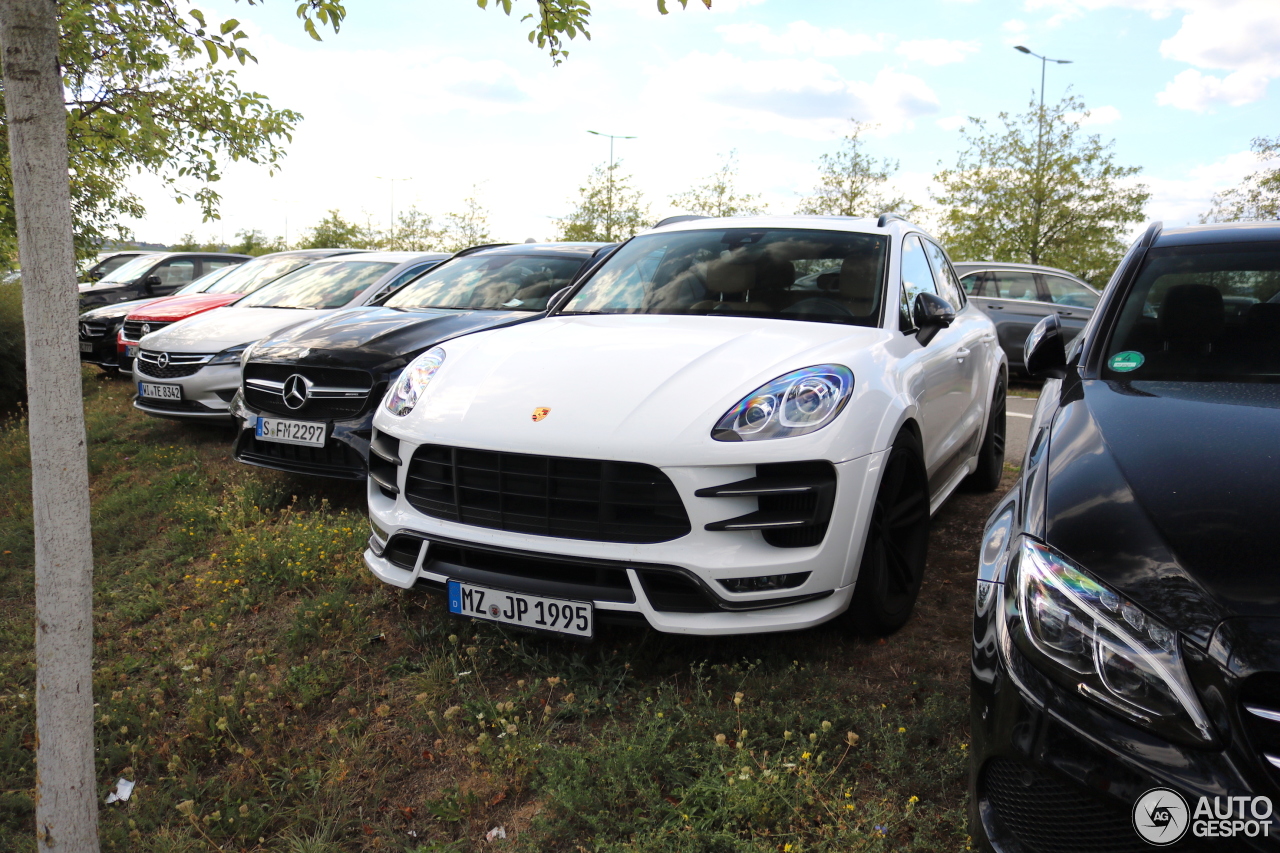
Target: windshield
point(788, 274)
point(128, 272)
point(1201, 313)
point(489, 283)
point(204, 282)
point(329, 284)
point(252, 275)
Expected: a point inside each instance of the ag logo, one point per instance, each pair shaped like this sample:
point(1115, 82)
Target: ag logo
point(1161, 816)
point(540, 413)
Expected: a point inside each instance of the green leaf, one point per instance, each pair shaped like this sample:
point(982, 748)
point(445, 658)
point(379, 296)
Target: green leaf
point(229, 25)
point(198, 15)
point(212, 50)
point(483, 4)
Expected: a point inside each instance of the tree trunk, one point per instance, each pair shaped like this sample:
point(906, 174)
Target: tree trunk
point(66, 795)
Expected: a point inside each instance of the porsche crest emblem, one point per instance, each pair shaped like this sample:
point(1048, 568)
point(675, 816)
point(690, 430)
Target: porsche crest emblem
point(540, 413)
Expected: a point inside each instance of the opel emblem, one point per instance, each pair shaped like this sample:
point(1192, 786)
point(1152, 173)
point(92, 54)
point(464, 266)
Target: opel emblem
point(146, 328)
point(296, 390)
point(162, 360)
point(540, 413)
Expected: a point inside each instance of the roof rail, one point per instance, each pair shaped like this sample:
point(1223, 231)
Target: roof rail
point(1153, 231)
point(684, 217)
point(886, 218)
point(470, 249)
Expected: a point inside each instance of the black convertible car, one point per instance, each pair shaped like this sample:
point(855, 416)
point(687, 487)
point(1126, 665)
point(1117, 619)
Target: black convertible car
point(1126, 644)
point(307, 395)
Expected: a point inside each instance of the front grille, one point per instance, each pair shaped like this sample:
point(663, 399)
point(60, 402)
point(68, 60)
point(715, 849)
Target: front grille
point(335, 459)
point(90, 329)
point(569, 498)
point(133, 328)
point(1260, 713)
point(180, 364)
point(1049, 816)
point(332, 392)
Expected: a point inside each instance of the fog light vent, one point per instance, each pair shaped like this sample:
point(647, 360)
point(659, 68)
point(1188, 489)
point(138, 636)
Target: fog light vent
point(765, 583)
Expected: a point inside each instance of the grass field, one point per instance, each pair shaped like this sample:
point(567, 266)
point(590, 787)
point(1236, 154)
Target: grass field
point(267, 694)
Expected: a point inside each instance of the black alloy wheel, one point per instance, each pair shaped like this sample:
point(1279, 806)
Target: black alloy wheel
point(893, 558)
point(991, 455)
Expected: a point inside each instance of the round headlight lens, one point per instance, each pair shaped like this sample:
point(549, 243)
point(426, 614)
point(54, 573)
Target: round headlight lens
point(795, 403)
point(408, 387)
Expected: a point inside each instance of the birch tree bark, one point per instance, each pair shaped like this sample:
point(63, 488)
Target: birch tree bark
point(66, 796)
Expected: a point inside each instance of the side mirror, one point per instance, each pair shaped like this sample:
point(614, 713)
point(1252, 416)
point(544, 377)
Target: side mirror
point(149, 282)
point(1044, 354)
point(931, 314)
point(96, 275)
point(558, 298)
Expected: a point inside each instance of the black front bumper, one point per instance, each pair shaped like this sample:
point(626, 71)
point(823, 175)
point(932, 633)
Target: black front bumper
point(1051, 772)
point(102, 349)
point(343, 456)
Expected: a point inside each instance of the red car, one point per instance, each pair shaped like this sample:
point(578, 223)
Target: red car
point(245, 279)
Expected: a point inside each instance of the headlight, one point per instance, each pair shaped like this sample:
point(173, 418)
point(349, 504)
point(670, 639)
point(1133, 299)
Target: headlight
point(410, 384)
point(795, 403)
point(227, 356)
point(1105, 646)
point(246, 354)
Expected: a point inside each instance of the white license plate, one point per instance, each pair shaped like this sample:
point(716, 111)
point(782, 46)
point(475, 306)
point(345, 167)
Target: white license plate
point(86, 346)
point(516, 608)
point(130, 351)
point(149, 391)
point(307, 433)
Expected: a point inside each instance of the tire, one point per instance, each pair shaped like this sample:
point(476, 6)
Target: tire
point(991, 455)
point(893, 557)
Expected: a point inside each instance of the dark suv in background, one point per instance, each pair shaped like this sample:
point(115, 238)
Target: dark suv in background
point(158, 274)
point(1126, 638)
point(322, 380)
point(1017, 296)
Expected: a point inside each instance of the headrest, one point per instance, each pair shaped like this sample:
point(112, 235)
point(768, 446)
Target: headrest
point(1191, 313)
point(860, 278)
point(1263, 316)
point(775, 275)
point(1017, 290)
point(726, 277)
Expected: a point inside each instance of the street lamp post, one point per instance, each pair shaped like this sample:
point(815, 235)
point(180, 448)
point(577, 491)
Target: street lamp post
point(391, 229)
point(608, 215)
point(1039, 200)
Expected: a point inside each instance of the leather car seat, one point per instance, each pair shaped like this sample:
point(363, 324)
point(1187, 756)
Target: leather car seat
point(1191, 318)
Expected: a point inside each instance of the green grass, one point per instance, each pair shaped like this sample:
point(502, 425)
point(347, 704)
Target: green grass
point(267, 694)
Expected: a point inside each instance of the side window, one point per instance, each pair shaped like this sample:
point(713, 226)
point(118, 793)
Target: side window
point(208, 265)
point(176, 273)
point(948, 287)
point(402, 279)
point(972, 284)
point(1064, 291)
point(1015, 285)
point(917, 278)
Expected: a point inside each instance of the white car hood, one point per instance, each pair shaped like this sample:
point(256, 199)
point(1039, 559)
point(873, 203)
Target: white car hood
point(617, 386)
point(223, 328)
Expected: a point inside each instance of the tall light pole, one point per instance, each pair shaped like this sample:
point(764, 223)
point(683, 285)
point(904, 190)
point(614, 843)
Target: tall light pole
point(391, 229)
point(1039, 191)
point(608, 215)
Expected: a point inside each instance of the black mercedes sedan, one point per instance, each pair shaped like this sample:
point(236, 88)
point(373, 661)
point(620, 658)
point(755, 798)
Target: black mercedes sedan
point(307, 394)
point(1126, 643)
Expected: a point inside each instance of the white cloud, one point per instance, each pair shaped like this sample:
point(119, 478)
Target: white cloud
point(1241, 37)
point(938, 51)
point(1096, 116)
point(1181, 200)
point(798, 97)
point(803, 38)
point(952, 123)
point(1192, 90)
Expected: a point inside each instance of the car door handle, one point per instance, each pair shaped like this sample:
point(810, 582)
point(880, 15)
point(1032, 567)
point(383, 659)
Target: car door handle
point(996, 307)
point(961, 354)
point(986, 339)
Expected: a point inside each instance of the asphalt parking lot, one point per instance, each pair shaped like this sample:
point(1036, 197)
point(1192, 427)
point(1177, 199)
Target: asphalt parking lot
point(1018, 425)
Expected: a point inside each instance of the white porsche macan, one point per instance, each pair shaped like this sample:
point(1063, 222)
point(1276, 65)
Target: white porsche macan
point(731, 426)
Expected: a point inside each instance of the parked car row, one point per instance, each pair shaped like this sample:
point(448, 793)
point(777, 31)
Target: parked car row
point(744, 425)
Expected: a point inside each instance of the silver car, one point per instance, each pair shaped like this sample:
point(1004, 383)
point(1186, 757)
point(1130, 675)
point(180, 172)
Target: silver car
point(1017, 296)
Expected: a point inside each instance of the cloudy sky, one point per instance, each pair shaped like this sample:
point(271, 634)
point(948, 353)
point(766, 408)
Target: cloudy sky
point(447, 98)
